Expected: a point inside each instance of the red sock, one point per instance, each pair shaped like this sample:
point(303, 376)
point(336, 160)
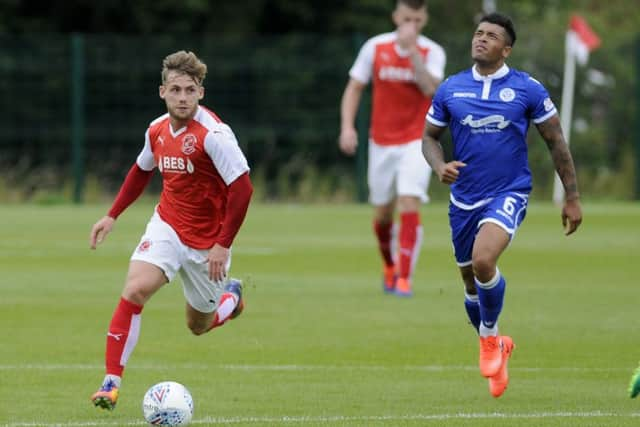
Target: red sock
point(383, 233)
point(123, 336)
point(410, 241)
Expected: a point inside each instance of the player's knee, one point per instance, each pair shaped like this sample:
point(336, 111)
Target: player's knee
point(197, 328)
point(483, 267)
point(135, 295)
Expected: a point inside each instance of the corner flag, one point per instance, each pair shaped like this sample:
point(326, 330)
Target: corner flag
point(580, 41)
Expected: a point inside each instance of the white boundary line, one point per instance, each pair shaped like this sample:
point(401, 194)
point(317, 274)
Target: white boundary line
point(293, 368)
point(342, 418)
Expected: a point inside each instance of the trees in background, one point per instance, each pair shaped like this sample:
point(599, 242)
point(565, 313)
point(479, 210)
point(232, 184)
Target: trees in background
point(605, 106)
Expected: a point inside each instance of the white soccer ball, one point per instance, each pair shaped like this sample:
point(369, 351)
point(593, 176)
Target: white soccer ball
point(167, 404)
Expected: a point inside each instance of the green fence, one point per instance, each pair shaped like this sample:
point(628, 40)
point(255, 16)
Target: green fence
point(75, 108)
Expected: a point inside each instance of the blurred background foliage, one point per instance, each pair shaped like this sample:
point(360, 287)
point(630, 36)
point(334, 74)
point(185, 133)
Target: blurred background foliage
point(277, 69)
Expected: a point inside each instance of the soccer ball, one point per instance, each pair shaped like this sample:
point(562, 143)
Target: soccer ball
point(167, 404)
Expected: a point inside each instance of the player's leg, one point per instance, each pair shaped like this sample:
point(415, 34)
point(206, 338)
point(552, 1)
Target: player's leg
point(153, 263)
point(501, 219)
point(497, 383)
point(409, 242)
point(209, 304)
point(490, 242)
point(471, 301)
point(499, 223)
point(381, 179)
point(464, 225)
point(413, 175)
point(383, 228)
point(230, 306)
point(143, 280)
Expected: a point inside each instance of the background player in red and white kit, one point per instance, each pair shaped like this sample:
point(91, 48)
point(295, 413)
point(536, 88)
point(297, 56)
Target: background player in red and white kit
point(405, 68)
point(204, 200)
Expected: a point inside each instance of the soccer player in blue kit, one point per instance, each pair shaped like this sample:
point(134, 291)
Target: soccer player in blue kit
point(487, 109)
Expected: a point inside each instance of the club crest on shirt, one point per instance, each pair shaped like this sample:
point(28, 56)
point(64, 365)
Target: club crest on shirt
point(507, 94)
point(144, 246)
point(548, 104)
point(189, 142)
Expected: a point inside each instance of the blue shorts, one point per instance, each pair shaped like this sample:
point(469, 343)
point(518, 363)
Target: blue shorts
point(506, 211)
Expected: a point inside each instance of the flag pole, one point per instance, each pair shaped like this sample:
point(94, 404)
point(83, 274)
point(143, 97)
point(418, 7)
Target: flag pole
point(568, 85)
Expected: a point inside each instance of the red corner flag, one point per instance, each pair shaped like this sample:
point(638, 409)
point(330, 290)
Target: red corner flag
point(579, 42)
point(581, 39)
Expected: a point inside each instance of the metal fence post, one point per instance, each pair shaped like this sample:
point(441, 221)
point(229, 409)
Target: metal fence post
point(77, 114)
point(362, 126)
point(636, 139)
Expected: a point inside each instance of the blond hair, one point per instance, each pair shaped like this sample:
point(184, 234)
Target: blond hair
point(186, 63)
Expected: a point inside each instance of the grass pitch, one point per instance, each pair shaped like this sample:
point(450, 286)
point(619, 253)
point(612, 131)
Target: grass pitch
point(319, 344)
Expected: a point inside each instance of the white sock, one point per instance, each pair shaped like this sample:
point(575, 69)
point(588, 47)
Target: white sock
point(227, 306)
point(488, 332)
point(113, 378)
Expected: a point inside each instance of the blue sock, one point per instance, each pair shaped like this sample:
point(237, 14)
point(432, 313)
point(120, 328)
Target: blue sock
point(473, 309)
point(491, 296)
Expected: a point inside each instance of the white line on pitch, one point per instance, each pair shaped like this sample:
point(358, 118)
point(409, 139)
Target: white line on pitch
point(232, 367)
point(344, 418)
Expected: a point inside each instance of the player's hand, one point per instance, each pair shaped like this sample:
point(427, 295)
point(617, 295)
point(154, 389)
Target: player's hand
point(407, 36)
point(448, 173)
point(218, 258)
point(348, 141)
point(100, 230)
point(571, 216)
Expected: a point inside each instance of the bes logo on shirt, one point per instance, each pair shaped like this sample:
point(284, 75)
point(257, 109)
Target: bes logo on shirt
point(173, 164)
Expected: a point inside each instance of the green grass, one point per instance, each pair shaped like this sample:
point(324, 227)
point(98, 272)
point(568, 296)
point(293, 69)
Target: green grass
point(319, 344)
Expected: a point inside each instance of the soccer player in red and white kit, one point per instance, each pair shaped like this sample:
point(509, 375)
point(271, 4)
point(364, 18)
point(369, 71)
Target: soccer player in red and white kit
point(204, 200)
point(405, 68)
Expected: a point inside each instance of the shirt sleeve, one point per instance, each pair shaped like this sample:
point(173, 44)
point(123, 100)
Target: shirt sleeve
point(362, 68)
point(222, 146)
point(438, 113)
point(541, 107)
point(145, 159)
point(238, 200)
point(132, 187)
point(436, 61)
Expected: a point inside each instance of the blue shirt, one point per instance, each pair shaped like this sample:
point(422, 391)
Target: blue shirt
point(488, 117)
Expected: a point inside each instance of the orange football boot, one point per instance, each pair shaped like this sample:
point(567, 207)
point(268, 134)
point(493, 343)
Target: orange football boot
point(490, 356)
point(403, 287)
point(498, 383)
point(389, 278)
point(106, 397)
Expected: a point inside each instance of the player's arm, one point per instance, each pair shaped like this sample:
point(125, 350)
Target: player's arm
point(426, 81)
point(434, 154)
point(134, 184)
point(238, 198)
point(551, 132)
point(408, 39)
point(224, 151)
point(348, 140)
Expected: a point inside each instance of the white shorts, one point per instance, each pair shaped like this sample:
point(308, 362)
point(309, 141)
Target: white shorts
point(397, 170)
point(161, 246)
